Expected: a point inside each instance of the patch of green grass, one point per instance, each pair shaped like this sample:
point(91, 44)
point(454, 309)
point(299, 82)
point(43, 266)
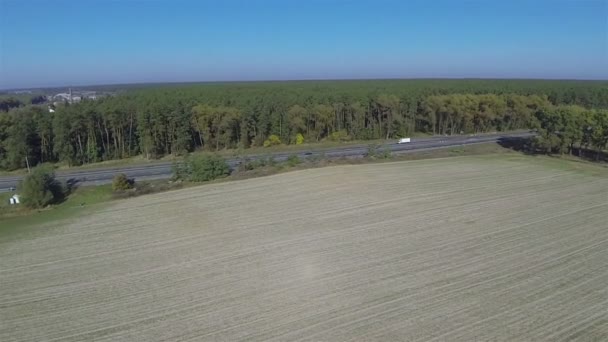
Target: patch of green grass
point(80, 202)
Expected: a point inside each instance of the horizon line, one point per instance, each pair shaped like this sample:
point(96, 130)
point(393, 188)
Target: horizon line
point(304, 80)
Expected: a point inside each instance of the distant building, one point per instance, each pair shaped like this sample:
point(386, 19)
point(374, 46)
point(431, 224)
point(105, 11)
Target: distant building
point(62, 97)
point(74, 96)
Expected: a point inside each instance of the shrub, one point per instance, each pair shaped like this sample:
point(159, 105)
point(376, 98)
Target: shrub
point(202, 169)
point(262, 162)
point(299, 139)
point(372, 151)
point(341, 135)
point(293, 160)
point(121, 182)
point(272, 141)
point(245, 165)
point(269, 161)
point(145, 188)
point(40, 188)
point(386, 153)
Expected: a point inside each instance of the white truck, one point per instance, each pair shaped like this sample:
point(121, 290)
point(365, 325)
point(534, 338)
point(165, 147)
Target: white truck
point(404, 140)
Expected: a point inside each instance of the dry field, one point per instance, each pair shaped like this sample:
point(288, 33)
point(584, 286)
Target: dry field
point(457, 249)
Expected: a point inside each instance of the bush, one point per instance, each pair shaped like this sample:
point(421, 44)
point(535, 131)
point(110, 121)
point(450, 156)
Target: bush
point(40, 188)
point(269, 161)
point(245, 165)
point(341, 135)
point(121, 182)
point(386, 153)
point(202, 168)
point(299, 139)
point(293, 160)
point(262, 162)
point(145, 188)
point(372, 151)
point(272, 141)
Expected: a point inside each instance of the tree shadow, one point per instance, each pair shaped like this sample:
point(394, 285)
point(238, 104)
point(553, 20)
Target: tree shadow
point(590, 155)
point(61, 192)
point(71, 185)
point(518, 144)
point(525, 145)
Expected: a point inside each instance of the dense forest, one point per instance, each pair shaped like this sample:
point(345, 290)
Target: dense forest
point(176, 119)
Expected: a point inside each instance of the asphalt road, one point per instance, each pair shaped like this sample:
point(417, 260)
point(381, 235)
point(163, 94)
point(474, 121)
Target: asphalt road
point(164, 170)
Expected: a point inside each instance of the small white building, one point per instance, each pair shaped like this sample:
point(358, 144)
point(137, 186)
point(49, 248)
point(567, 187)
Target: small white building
point(14, 199)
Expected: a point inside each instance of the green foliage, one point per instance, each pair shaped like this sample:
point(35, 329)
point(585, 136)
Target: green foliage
point(341, 135)
point(299, 139)
point(562, 129)
point(40, 188)
point(373, 150)
point(293, 160)
point(316, 158)
point(145, 188)
point(175, 120)
point(268, 161)
point(202, 168)
point(272, 140)
point(121, 183)
point(248, 165)
point(8, 103)
point(378, 152)
point(386, 153)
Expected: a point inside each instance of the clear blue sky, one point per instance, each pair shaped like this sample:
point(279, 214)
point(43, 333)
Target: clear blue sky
point(57, 43)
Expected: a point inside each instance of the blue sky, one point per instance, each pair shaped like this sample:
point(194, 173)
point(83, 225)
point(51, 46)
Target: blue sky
point(58, 43)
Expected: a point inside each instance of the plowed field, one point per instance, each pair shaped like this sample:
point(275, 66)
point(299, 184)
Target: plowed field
point(457, 249)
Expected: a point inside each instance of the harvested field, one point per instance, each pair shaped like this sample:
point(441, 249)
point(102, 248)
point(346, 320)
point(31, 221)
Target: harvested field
point(457, 249)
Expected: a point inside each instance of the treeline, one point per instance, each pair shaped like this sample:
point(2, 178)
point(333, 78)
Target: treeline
point(179, 119)
point(9, 102)
point(564, 129)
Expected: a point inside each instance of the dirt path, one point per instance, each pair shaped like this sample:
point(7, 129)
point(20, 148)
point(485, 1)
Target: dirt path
point(454, 249)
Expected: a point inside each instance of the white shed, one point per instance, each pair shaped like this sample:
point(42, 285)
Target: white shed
point(14, 199)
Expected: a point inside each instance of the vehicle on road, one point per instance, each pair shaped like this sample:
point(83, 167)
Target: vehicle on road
point(404, 140)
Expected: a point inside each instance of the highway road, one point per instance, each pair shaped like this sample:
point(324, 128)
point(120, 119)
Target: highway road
point(164, 170)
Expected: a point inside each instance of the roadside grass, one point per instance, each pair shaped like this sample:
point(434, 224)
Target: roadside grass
point(85, 199)
point(81, 201)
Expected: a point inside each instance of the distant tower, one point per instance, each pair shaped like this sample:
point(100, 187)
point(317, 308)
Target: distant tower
point(71, 101)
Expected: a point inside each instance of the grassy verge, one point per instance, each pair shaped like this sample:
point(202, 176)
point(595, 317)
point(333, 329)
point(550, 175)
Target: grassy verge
point(80, 202)
point(84, 199)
